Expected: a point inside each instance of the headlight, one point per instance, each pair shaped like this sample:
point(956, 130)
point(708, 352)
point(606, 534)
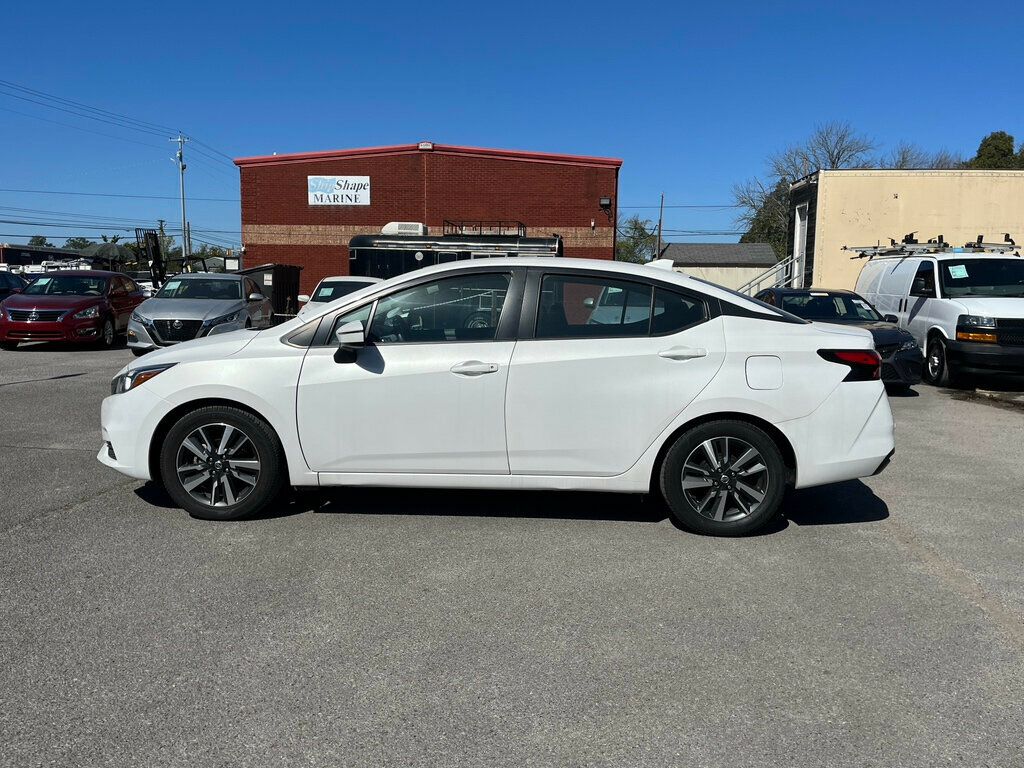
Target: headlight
point(136, 376)
point(223, 319)
point(976, 321)
point(85, 314)
point(908, 344)
point(140, 319)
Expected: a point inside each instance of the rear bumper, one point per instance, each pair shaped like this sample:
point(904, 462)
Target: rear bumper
point(980, 357)
point(67, 330)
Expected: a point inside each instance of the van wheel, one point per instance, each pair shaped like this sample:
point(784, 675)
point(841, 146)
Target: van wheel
point(937, 371)
point(724, 478)
point(222, 463)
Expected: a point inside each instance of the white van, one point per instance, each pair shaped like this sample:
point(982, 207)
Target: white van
point(965, 310)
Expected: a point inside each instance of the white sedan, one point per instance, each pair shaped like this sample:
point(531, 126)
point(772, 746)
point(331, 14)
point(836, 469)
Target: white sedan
point(497, 374)
point(331, 289)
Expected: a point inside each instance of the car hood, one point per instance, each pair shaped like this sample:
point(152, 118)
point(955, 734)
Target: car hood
point(992, 306)
point(208, 348)
point(21, 301)
point(188, 309)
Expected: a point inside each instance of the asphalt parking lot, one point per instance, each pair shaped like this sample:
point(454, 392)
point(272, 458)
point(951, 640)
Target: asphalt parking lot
point(880, 624)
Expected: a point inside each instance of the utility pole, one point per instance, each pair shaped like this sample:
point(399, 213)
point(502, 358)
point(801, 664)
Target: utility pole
point(185, 250)
point(661, 214)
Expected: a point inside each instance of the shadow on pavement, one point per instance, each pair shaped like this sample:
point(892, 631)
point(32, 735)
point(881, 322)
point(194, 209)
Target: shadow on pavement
point(838, 504)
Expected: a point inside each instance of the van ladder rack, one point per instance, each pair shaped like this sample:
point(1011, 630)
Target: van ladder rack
point(911, 246)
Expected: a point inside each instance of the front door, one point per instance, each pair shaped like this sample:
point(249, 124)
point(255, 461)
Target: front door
point(594, 387)
point(425, 395)
point(920, 305)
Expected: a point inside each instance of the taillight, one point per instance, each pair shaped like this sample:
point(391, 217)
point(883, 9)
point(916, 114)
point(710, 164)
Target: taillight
point(864, 364)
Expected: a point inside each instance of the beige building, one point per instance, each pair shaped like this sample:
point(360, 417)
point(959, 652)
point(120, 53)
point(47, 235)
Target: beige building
point(728, 264)
point(830, 209)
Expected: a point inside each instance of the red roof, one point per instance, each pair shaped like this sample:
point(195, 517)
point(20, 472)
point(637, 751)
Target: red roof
point(443, 149)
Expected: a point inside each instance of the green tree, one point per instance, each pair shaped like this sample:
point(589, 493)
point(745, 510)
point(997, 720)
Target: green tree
point(78, 243)
point(995, 152)
point(40, 241)
point(637, 240)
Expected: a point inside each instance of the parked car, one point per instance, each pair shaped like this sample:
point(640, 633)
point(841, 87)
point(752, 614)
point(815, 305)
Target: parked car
point(902, 358)
point(191, 306)
point(79, 306)
point(11, 283)
point(966, 311)
point(331, 289)
point(717, 402)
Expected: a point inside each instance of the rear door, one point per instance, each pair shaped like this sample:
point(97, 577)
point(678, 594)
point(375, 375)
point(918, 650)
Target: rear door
point(589, 389)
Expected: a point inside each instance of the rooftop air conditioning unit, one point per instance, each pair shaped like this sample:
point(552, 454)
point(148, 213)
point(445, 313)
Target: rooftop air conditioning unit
point(404, 228)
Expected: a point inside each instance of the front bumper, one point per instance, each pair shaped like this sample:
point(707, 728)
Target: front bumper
point(146, 336)
point(982, 357)
point(68, 329)
point(127, 424)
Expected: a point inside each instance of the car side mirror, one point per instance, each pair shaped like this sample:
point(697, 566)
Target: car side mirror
point(891, 319)
point(589, 302)
point(303, 298)
point(351, 335)
point(255, 297)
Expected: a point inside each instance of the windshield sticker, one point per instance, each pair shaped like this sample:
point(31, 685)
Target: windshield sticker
point(861, 303)
point(957, 271)
point(42, 280)
point(325, 292)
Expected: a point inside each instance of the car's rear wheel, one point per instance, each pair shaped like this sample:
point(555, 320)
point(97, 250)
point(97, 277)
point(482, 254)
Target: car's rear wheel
point(10, 346)
point(725, 478)
point(222, 463)
point(937, 370)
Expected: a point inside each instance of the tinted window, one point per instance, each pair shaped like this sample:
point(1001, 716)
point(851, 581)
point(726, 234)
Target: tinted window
point(572, 307)
point(200, 288)
point(464, 308)
point(924, 280)
point(673, 312)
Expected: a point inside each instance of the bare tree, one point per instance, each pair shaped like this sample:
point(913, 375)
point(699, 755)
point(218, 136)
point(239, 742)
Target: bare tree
point(908, 155)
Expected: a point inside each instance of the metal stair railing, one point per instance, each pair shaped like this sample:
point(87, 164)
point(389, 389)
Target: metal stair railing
point(779, 275)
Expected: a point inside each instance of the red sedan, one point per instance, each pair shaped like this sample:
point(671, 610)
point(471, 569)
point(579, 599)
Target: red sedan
point(84, 306)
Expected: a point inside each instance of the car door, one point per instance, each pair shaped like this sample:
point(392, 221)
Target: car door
point(120, 303)
point(588, 398)
point(426, 394)
point(920, 303)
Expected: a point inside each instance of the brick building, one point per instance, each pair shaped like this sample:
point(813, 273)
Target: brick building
point(304, 208)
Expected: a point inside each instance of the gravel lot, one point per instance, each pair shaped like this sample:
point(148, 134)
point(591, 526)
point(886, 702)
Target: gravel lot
point(881, 624)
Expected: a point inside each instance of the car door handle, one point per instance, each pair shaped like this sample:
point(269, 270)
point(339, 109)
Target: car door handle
point(683, 353)
point(473, 368)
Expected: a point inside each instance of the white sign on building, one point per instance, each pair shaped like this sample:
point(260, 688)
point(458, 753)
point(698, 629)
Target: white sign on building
point(338, 190)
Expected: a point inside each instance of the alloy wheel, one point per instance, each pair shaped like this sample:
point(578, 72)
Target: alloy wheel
point(108, 333)
point(218, 465)
point(725, 479)
point(936, 359)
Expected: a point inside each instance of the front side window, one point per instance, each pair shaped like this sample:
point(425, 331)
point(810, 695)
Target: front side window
point(924, 281)
point(464, 308)
point(982, 277)
point(67, 285)
point(200, 288)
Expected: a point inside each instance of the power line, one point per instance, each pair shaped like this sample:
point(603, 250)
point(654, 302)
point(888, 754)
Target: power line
point(80, 128)
point(111, 194)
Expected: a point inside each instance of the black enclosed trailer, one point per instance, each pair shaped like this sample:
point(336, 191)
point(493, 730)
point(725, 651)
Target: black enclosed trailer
point(280, 284)
point(386, 256)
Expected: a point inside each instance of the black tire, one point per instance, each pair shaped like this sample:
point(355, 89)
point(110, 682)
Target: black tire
point(263, 448)
point(138, 352)
point(937, 370)
point(108, 335)
point(10, 346)
point(741, 513)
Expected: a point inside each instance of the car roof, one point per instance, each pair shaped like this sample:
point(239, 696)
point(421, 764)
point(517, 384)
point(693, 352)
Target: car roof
point(804, 291)
point(351, 278)
point(76, 273)
point(625, 269)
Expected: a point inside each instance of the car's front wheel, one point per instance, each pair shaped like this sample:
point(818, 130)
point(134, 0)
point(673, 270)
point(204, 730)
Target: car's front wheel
point(937, 370)
point(222, 463)
point(107, 334)
point(725, 478)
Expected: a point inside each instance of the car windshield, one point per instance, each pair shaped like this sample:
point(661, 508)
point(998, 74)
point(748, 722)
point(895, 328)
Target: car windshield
point(67, 285)
point(200, 288)
point(831, 307)
point(982, 277)
point(329, 290)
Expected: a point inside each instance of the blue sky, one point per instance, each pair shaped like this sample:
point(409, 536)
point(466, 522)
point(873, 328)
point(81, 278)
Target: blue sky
point(693, 99)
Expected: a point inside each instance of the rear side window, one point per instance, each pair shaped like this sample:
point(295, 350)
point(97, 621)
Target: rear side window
point(591, 307)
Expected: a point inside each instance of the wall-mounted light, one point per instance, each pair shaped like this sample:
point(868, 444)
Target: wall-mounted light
point(606, 203)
